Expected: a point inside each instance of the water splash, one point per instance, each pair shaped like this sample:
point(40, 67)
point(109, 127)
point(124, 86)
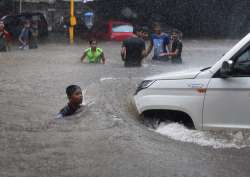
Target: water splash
point(176, 131)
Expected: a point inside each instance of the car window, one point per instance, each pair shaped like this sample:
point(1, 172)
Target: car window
point(35, 18)
point(242, 64)
point(22, 18)
point(9, 19)
point(122, 28)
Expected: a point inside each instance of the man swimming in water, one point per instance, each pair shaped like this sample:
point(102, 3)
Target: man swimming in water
point(75, 96)
point(93, 54)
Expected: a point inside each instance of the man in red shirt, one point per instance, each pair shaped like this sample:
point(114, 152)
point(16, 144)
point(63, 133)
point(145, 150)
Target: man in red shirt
point(4, 38)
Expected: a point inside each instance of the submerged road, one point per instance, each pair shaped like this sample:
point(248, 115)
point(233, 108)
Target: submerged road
point(105, 140)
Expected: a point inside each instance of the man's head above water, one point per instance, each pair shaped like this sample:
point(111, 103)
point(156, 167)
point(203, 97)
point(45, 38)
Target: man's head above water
point(74, 93)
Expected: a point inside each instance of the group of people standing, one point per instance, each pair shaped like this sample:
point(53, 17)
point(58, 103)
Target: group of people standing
point(165, 48)
point(133, 52)
point(134, 49)
point(28, 36)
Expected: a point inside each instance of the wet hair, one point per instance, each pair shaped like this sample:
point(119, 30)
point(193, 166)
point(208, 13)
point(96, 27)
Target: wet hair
point(178, 33)
point(175, 31)
point(136, 29)
point(71, 89)
point(92, 40)
point(156, 25)
point(144, 29)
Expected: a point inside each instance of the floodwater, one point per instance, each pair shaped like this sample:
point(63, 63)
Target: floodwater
point(106, 139)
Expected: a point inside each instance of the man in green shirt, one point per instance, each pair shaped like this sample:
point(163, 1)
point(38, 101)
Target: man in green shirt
point(93, 54)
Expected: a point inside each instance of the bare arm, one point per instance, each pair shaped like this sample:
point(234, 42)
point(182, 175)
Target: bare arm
point(21, 40)
point(83, 57)
point(123, 53)
point(103, 58)
point(149, 49)
point(173, 53)
point(177, 50)
point(144, 53)
point(169, 47)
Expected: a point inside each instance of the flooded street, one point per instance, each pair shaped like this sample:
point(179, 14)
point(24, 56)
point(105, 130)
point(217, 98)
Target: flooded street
point(106, 139)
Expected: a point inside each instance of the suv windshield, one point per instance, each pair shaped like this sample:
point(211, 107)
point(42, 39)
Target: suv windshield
point(122, 28)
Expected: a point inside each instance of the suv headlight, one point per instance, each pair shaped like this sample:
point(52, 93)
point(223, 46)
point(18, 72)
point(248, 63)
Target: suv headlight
point(143, 85)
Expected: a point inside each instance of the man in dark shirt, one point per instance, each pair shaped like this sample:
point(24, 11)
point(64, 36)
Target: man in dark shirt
point(176, 48)
point(133, 49)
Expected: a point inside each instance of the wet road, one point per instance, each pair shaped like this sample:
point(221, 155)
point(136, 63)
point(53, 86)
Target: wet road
point(106, 139)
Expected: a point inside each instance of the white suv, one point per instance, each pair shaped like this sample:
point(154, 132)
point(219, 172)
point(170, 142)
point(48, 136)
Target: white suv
point(214, 97)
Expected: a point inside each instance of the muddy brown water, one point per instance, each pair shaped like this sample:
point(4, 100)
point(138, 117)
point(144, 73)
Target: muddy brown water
point(106, 139)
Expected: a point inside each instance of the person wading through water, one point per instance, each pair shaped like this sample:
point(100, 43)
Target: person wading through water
point(93, 54)
point(133, 49)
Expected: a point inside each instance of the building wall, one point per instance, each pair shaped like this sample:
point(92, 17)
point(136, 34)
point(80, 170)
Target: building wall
point(53, 12)
point(217, 18)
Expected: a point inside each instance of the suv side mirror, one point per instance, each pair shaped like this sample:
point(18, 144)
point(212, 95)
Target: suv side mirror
point(226, 69)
